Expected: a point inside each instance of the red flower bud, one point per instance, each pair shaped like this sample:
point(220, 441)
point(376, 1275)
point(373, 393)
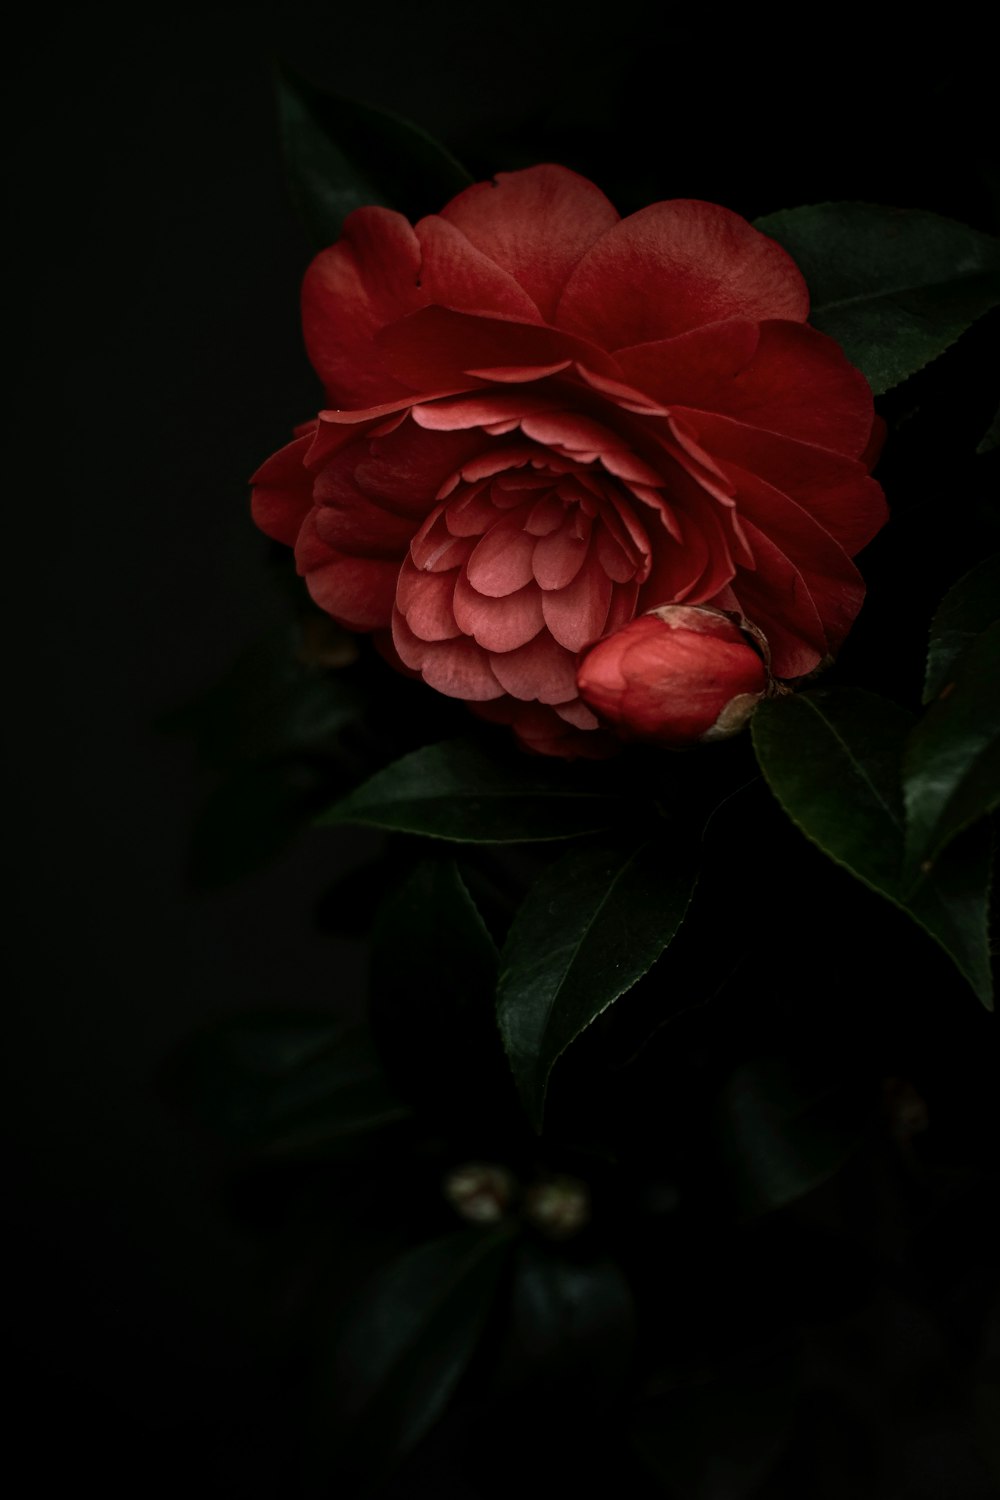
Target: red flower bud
point(678, 675)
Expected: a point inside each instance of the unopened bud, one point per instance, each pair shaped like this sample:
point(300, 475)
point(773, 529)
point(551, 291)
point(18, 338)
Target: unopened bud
point(558, 1206)
point(680, 675)
point(480, 1192)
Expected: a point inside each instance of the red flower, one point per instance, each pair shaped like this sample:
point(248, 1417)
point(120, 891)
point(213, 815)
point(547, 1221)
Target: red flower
point(544, 419)
point(679, 675)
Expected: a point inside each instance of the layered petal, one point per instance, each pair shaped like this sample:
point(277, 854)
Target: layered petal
point(438, 348)
point(792, 381)
point(837, 491)
point(454, 274)
point(369, 278)
point(357, 591)
point(542, 420)
point(676, 266)
point(536, 225)
point(282, 491)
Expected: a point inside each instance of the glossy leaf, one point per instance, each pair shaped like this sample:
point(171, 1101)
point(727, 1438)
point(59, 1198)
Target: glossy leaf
point(833, 759)
point(785, 1130)
point(410, 1337)
point(456, 791)
point(592, 925)
point(341, 155)
point(894, 287)
point(951, 766)
point(570, 1321)
point(964, 612)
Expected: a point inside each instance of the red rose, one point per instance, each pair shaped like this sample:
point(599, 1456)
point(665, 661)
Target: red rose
point(544, 420)
point(679, 675)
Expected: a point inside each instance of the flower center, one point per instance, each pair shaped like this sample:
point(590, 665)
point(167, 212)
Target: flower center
point(513, 573)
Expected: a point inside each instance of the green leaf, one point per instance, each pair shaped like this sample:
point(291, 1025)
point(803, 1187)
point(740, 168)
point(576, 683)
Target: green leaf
point(785, 1130)
point(288, 1084)
point(964, 612)
point(833, 759)
point(410, 1337)
point(592, 925)
point(894, 287)
point(570, 1322)
point(456, 791)
point(951, 765)
point(433, 908)
point(341, 155)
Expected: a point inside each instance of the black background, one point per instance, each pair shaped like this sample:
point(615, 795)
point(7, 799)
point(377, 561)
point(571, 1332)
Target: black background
point(161, 362)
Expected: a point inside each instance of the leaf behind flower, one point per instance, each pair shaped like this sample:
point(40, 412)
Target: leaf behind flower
point(456, 791)
point(894, 287)
point(341, 155)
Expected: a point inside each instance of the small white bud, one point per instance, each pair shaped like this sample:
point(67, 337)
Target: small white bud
point(558, 1206)
point(479, 1192)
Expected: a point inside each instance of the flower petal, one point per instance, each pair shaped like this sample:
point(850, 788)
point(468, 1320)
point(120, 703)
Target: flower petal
point(834, 583)
point(583, 439)
point(406, 469)
point(351, 521)
point(675, 266)
point(425, 602)
point(498, 624)
point(623, 605)
point(799, 384)
point(776, 597)
point(501, 562)
point(434, 549)
point(576, 713)
point(357, 591)
point(536, 224)
point(577, 615)
point(458, 668)
point(546, 731)
point(480, 409)
point(436, 348)
point(703, 361)
point(558, 557)
point(836, 490)
point(282, 493)
point(453, 273)
point(545, 516)
point(369, 278)
point(541, 670)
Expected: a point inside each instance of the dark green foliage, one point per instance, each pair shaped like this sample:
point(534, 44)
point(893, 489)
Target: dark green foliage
point(341, 155)
point(894, 287)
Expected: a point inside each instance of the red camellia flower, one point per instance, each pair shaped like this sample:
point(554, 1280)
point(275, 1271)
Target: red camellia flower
point(544, 420)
